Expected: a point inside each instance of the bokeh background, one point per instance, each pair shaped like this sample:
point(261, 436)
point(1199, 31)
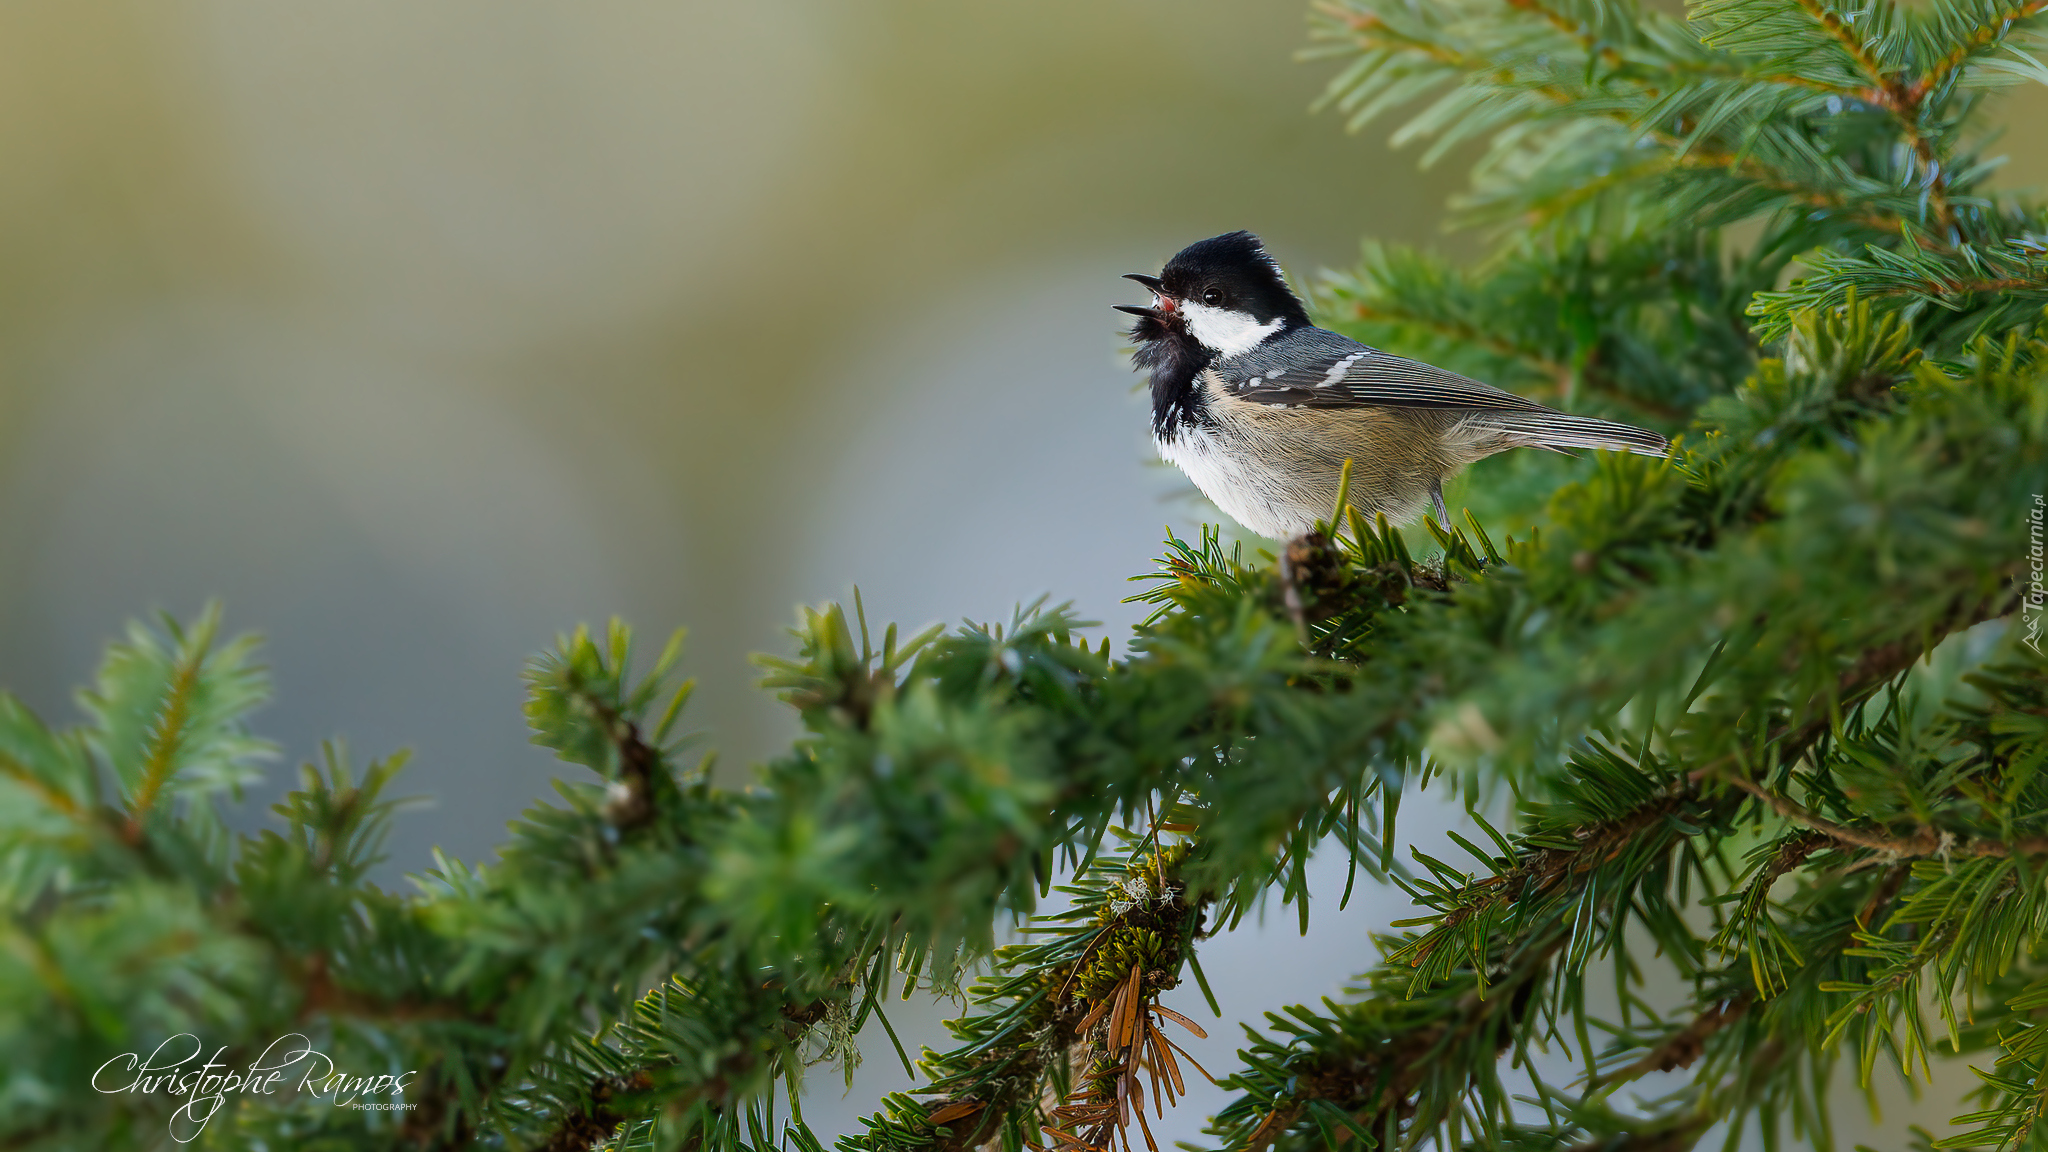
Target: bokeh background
point(418, 332)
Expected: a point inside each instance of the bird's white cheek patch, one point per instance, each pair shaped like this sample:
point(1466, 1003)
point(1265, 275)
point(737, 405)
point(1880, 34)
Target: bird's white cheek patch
point(1227, 332)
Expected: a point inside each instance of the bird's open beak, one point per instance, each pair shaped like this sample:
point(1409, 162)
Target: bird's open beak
point(1162, 303)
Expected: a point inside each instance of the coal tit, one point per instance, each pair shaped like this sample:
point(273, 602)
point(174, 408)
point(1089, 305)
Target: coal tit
point(1261, 408)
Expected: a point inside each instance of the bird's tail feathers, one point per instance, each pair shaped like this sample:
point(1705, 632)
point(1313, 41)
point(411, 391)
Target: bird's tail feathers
point(1560, 432)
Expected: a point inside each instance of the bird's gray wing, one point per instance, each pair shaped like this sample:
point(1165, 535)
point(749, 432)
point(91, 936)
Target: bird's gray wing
point(1321, 369)
point(1329, 374)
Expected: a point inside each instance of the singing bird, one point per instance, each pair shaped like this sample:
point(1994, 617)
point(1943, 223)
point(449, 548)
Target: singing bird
point(1261, 408)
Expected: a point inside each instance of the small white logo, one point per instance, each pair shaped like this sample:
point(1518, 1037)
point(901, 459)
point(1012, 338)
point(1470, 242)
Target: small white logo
point(290, 1063)
point(2034, 599)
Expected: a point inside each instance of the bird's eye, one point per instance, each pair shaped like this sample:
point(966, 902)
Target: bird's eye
point(1213, 297)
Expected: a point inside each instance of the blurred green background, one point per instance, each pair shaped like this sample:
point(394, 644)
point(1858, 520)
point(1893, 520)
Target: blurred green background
point(418, 332)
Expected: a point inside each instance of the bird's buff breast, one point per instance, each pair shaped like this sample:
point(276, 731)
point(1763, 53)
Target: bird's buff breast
point(1276, 470)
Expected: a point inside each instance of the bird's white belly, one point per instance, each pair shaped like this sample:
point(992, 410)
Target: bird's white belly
point(1246, 488)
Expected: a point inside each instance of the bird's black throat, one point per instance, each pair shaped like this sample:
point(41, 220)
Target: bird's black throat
point(1175, 360)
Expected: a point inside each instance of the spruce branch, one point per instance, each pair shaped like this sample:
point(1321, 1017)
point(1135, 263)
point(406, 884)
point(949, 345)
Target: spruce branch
point(1067, 1025)
point(1743, 1040)
point(583, 708)
point(1958, 293)
point(1925, 842)
point(1902, 94)
point(160, 755)
point(690, 1057)
point(2014, 1090)
point(1991, 27)
point(1572, 27)
point(168, 709)
point(1685, 1046)
point(1478, 976)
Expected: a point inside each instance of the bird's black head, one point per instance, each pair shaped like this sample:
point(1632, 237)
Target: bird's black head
point(1224, 293)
